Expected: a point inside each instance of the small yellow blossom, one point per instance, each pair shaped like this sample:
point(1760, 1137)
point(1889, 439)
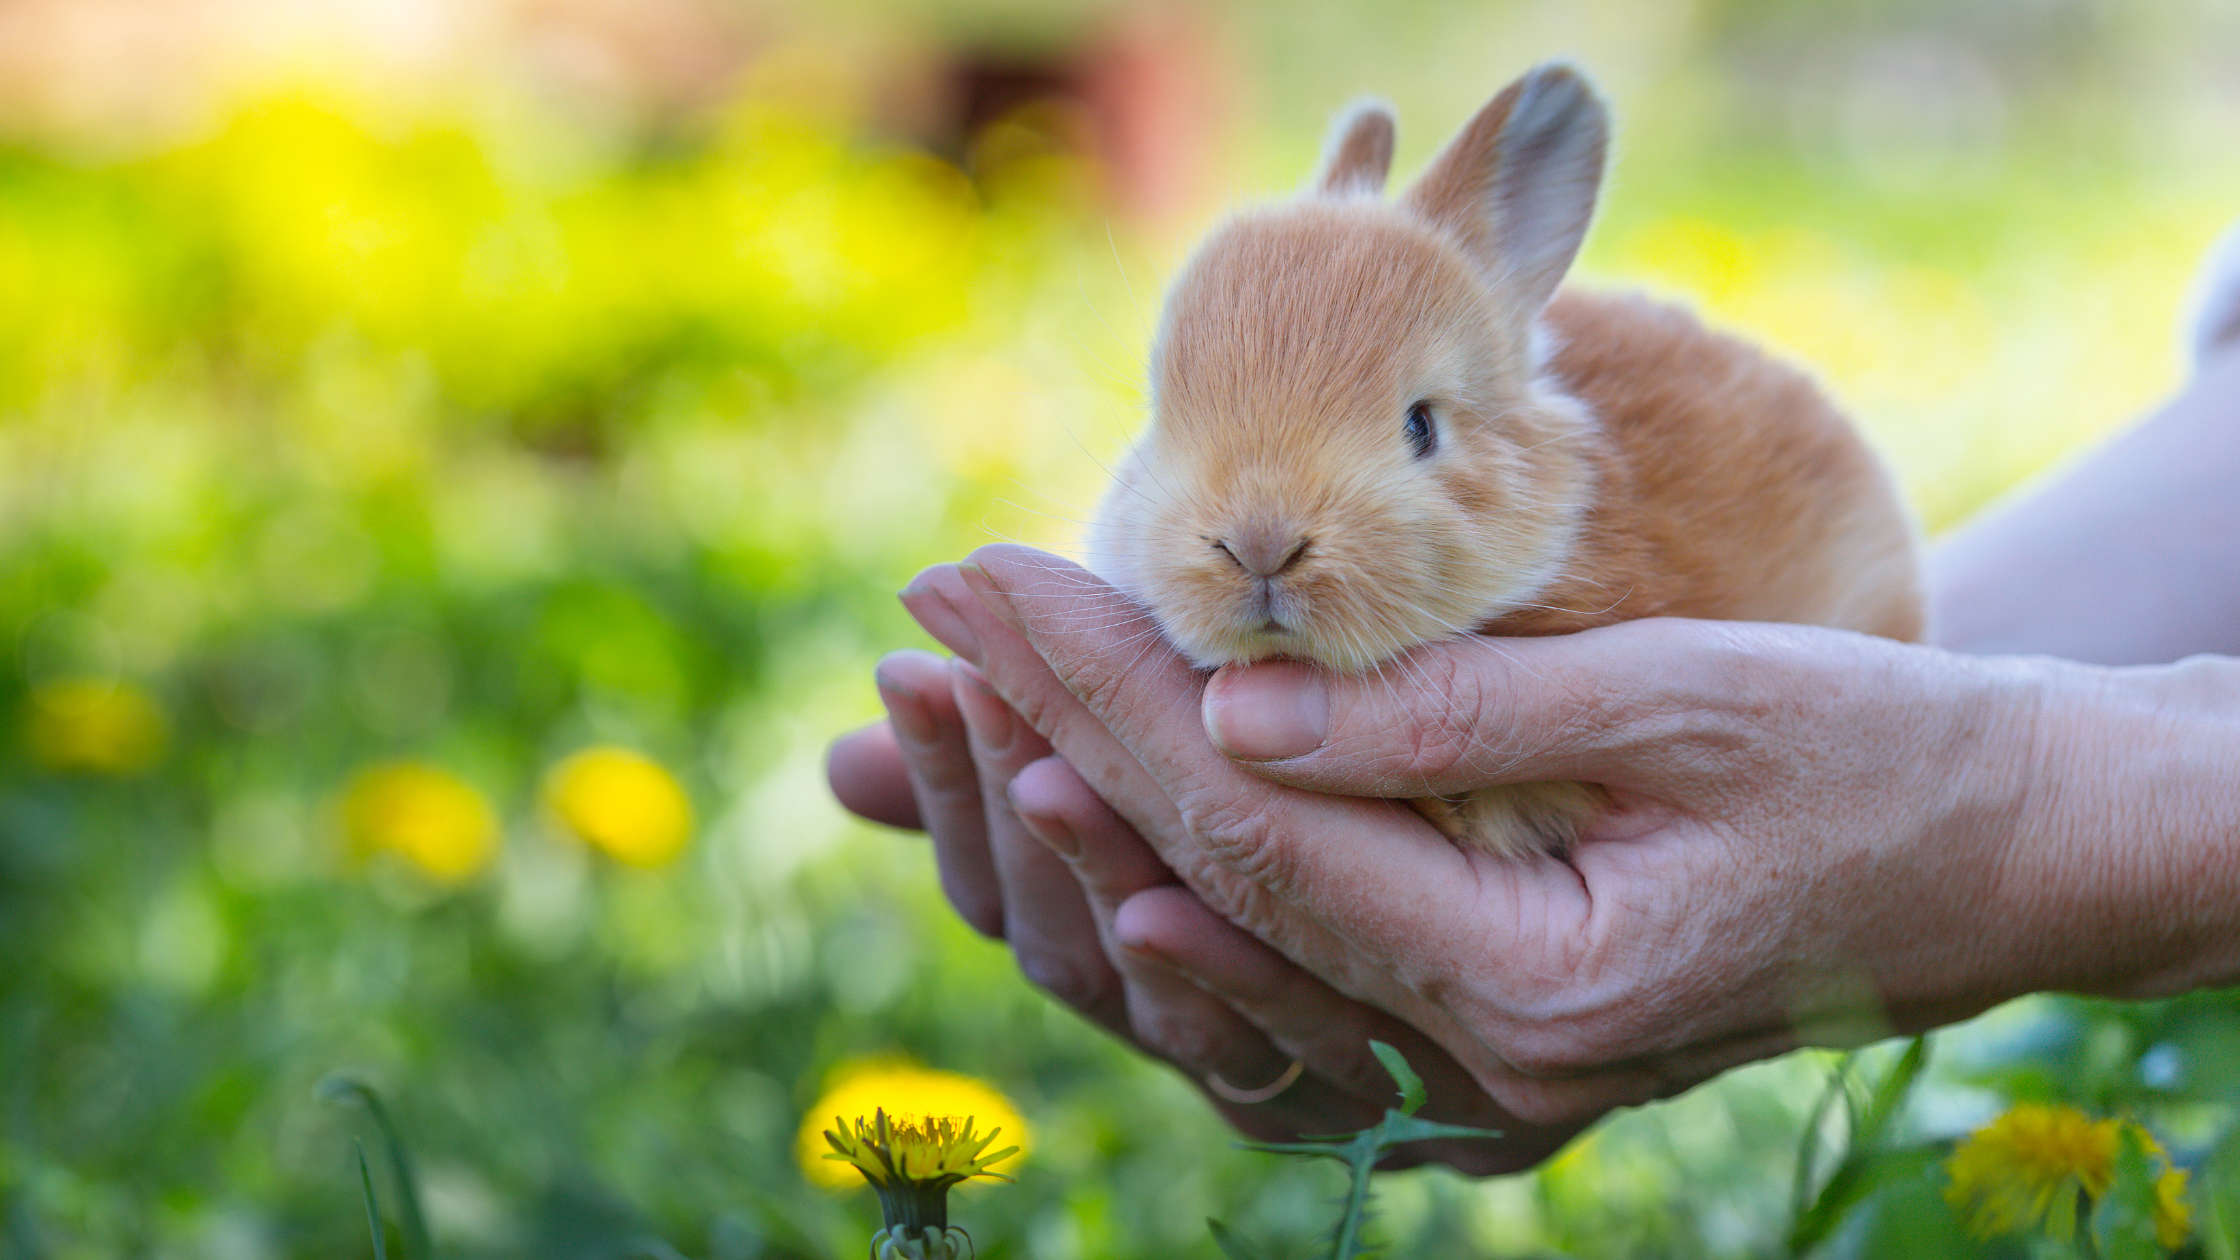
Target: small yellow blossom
point(426, 815)
point(95, 726)
point(912, 1164)
point(622, 802)
point(2009, 1175)
point(2173, 1216)
point(906, 1092)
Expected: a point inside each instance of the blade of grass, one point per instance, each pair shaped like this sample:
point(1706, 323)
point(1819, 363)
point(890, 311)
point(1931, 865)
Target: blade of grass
point(1854, 1174)
point(373, 1202)
point(340, 1088)
point(1808, 1146)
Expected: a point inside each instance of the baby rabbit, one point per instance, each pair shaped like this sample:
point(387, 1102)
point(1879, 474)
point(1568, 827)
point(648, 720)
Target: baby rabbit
point(1377, 424)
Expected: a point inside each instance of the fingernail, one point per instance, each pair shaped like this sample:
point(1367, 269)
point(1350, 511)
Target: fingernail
point(1137, 946)
point(1267, 712)
point(998, 603)
point(985, 714)
point(941, 619)
point(1054, 833)
point(908, 713)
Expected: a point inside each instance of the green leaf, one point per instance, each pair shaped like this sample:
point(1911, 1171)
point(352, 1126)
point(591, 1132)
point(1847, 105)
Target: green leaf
point(1852, 1184)
point(2061, 1215)
point(1889, 1096)
point(1412, 1094)
point(338, 1089)
point(1328, 1150)
point(373, 1202)
point(1809, 1142)
point(1396, 1128)
point(1862, 1165)
point(1361, 1150)
point(2122, 1221)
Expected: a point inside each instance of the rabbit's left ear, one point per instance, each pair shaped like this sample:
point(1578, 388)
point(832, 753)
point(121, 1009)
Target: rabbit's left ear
point(1518, 185)
point(1358, 155)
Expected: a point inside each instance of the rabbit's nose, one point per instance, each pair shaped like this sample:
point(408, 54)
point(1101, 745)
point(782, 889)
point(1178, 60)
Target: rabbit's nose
point(1265, 549)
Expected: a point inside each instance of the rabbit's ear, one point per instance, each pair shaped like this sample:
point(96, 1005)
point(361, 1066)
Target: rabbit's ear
point(1358, 155)
point(1518, 185)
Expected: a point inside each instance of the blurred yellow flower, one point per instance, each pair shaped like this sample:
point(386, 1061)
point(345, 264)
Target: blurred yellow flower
point(909, 1094)
point(622, 802)
point(426, 815)
point(95, 726)
point(2008, 1177)
point(2173, 1216)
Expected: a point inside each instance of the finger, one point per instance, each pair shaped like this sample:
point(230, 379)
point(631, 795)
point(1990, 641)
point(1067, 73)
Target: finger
point(1028, 683)
point(1617, 705)
point(1045, 916)
point(1166, 1013)
point(1330, 1033)
point(953, 612)
point(1304, 1017)
point(865, 770)
point(1370, 871)
point(1300, 870)
point(1107, 855)
point(937, 759)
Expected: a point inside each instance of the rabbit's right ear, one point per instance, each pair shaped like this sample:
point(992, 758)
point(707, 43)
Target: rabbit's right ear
point(1358, 154)
point(1517, 186)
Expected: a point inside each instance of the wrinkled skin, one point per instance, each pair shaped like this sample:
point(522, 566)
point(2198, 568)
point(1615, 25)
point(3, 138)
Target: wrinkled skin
point(1818, 829)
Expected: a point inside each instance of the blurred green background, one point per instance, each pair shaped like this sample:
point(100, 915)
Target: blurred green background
point(397, 399)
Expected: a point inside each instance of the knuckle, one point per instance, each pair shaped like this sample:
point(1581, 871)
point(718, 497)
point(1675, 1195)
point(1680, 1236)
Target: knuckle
point(1444, 732)
point(1102, 691)
point(947, 773)
point(1085, 984)
point(1237, 836)
point(1549, 1052)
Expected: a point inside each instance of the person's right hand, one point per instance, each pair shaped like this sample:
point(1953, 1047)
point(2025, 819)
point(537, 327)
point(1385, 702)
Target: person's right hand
point(1807, 809)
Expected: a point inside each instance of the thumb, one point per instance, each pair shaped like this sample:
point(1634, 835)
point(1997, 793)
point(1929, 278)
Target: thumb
point(1608, 705)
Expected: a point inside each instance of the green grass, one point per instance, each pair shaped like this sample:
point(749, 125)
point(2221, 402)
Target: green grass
point(352, 434)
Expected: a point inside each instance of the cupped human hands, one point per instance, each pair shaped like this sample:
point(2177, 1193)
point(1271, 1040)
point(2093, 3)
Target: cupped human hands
point(1816, 837)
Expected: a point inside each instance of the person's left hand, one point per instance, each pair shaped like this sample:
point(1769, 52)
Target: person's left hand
point(1030, 854)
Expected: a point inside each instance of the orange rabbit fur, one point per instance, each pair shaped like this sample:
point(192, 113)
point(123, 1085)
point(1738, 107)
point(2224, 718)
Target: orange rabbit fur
point(1378, 424)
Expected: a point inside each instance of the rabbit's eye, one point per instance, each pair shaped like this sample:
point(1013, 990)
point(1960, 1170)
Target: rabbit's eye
point(1420, 432)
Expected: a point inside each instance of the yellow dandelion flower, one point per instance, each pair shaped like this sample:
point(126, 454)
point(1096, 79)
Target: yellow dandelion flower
point(622, 802)
point(905, 1091)
point(912, 1163)
point(2173, 1216)
point(2011, 1175)
point(95, 726)
point(426, 815)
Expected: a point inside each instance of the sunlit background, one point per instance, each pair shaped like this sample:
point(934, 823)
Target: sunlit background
point(456, 460)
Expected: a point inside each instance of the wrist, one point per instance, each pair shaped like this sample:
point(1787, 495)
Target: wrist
point(2125, 848)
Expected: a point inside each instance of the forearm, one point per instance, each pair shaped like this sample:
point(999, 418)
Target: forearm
point(2132, 556)
point(2123, 870)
